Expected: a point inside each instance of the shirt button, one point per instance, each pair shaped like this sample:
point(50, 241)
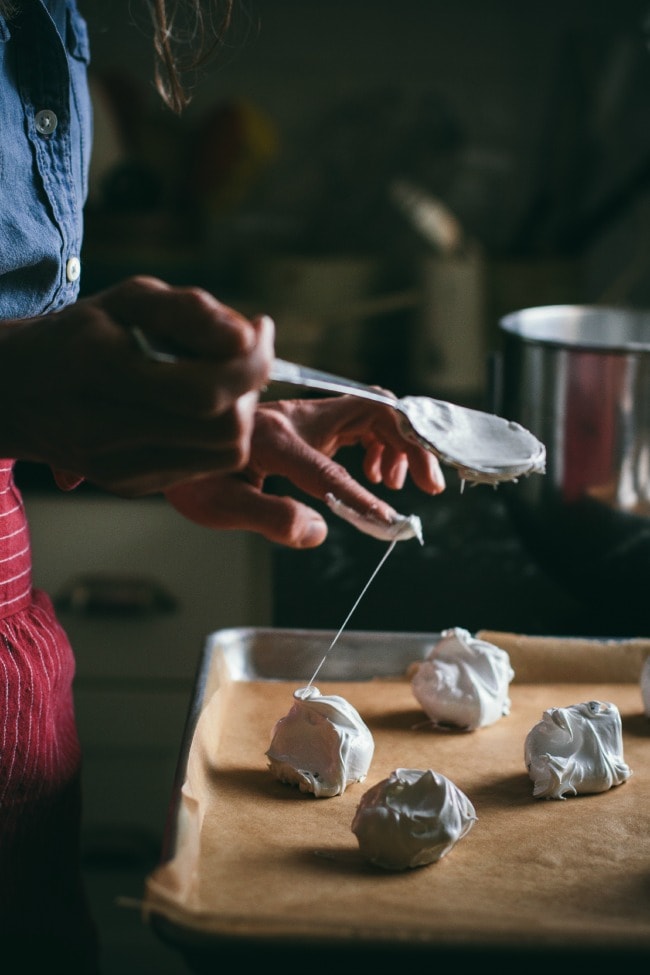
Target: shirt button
point(46, 122)
point(73, 268)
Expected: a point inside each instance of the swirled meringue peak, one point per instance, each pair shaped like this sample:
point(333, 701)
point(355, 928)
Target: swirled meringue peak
point(412, 818)
point(578, 749)
point(645, 686)
point(322, 745)
point(463, 682)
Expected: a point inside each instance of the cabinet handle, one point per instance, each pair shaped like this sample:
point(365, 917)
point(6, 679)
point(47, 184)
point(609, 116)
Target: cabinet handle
point(103, 594)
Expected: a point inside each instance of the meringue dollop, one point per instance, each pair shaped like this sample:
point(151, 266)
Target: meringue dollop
point(577, 749)
point(463, 681)
point(410, 819)
point(322, 745)
point(401, 528)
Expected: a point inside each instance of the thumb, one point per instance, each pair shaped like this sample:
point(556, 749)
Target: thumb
point(286, 521)
point(233, 503)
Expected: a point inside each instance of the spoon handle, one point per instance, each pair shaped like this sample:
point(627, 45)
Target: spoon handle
point(282, 372)
point(289, 372)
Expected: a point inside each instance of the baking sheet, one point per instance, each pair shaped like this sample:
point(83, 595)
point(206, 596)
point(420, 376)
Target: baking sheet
point(249, 857)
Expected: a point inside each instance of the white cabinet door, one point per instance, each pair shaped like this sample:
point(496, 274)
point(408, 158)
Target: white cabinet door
point(139, 589)
point(214, 579)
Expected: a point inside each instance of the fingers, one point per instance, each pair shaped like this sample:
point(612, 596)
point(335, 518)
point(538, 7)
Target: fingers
point(277, 449)
point(424, 470)
point(118, 419)
point(390, 458)
point(384, 465)
point(329, 424)
point(381, 464)
point(132, 453)
point(234, 503)
point(190, 321)
point(219, 354)
point(201, 388)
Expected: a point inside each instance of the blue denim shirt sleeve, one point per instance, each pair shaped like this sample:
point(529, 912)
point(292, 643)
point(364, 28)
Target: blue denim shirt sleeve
point(46, 118)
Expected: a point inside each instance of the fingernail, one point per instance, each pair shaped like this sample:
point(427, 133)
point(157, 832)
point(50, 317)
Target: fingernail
point(315, 532)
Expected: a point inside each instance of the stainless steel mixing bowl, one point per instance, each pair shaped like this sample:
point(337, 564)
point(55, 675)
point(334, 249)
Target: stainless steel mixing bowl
point(579, 378)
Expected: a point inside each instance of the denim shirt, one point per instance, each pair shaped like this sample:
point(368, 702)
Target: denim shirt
point(45, 143)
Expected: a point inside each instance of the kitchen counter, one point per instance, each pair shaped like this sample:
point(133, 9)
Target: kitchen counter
point(473, 571)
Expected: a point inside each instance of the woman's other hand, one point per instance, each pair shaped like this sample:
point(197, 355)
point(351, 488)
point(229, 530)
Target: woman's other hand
point(297, 440)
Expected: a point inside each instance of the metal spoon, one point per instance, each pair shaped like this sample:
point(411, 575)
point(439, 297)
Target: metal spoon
point(483, 447)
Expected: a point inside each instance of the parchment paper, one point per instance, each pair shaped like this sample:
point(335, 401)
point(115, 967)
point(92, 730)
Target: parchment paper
point(259, 859)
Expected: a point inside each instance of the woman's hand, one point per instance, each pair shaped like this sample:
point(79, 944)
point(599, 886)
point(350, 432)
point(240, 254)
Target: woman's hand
point(297, 439)
point(77, 393)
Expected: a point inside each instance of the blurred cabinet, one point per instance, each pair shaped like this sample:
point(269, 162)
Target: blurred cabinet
point(138, 589)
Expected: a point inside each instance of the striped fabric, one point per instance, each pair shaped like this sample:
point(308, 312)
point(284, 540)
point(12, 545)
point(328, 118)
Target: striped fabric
point(39, 747)
point(44, 921)
point(15, 576)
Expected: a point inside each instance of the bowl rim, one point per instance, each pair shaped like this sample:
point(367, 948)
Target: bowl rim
point(604, 328)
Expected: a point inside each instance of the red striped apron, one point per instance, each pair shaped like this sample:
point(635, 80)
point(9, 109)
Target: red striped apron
point(42, 908)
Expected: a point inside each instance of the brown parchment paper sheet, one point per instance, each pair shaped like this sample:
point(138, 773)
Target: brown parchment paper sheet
point(256, 858)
